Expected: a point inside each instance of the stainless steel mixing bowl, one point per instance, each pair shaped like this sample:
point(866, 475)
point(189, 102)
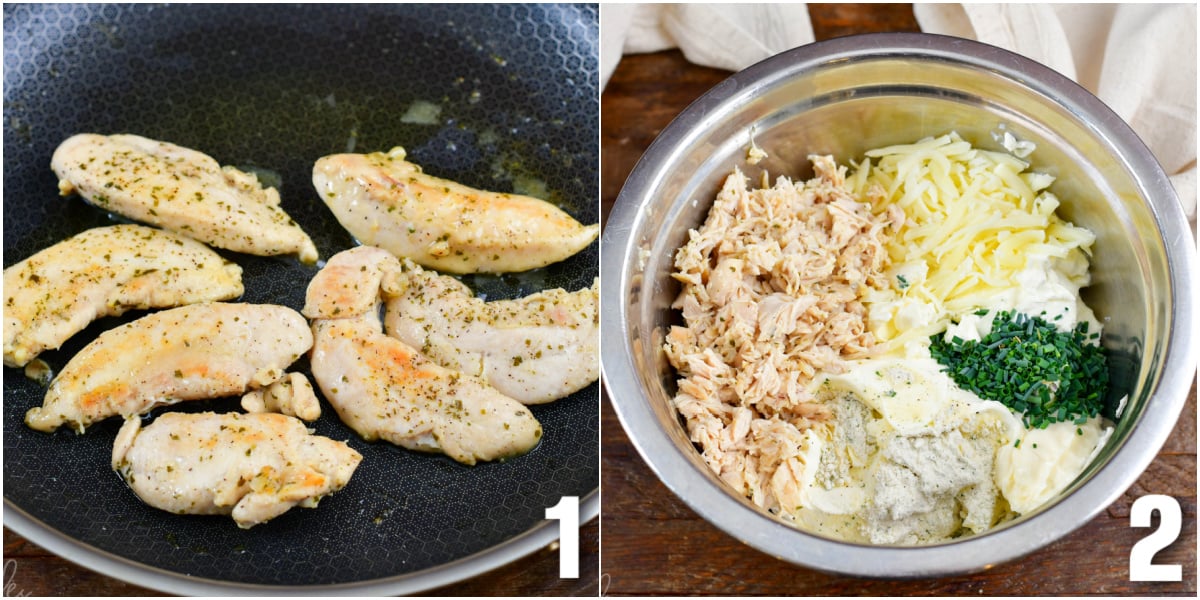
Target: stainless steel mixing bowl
point(846, 96)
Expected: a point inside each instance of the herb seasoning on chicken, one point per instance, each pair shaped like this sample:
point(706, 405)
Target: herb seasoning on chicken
point(385, 389)
point(388, 202)
point(535, 349)
point(189, 353)
point(101, 272)
point(253, 467)
point(181, 190)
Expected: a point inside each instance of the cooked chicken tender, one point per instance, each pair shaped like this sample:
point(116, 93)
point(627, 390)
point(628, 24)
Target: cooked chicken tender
point(254, 467)
point(181, 190)
point(384, 389)
point(106, 271)
point(535, 349)
point(292, 396)
point(388, 202)
point(188, 353)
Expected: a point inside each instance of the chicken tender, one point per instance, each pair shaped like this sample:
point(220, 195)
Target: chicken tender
point(535, 349)
point(188, 353)
point(106, 271)
point(384, 389)
point(254, 467)
point(292, 396)
point(388, 202)
point(181, 190)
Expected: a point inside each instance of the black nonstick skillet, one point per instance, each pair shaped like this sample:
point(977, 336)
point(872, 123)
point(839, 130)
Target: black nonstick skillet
point(496, 96)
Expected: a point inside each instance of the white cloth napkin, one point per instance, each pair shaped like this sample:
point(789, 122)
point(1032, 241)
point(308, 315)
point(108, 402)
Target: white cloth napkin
point(725, 36)
point(1139, 59)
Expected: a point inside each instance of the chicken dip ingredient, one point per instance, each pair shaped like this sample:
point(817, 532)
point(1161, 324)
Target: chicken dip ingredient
point(101, 272)
point(189, 353)
point(388, 202)
point(894, 356)
point(293, 396)
point(535, 349)
point(385, 389)
point(254, 467)
point(180, 190)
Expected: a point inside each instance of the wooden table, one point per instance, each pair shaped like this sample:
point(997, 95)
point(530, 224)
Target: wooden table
point(655, 545)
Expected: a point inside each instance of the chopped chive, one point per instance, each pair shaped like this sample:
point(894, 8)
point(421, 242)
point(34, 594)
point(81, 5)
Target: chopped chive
point(1031, 367)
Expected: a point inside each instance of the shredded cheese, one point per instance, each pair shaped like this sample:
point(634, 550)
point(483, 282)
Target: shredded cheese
point(973, 221)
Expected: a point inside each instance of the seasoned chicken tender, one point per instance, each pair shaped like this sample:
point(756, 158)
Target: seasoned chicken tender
point(388, 202)
point(535, 349)
point(254, 467)
point(384, 389)
point(352, 283)
point(181, 190)
point(101, 272)
point(292, 396)
point(188, 353)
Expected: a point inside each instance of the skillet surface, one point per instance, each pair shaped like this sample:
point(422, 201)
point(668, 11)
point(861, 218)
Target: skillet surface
point(272, 88)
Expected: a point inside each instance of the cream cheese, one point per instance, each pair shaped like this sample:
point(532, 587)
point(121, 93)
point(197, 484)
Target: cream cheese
point(911, 455)
point(1046, 462)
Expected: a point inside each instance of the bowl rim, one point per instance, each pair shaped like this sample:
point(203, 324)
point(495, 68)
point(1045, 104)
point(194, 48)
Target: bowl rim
point(1169, 389)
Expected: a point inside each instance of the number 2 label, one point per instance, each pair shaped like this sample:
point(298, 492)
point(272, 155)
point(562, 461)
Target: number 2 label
point(566, 512)
point(1141, 556)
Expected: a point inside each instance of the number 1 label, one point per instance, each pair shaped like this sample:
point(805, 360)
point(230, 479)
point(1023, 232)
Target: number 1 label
point(566, 512)
point(1141, 556)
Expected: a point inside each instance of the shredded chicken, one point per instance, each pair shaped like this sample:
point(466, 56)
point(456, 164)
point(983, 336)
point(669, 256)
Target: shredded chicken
point(771, 294)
